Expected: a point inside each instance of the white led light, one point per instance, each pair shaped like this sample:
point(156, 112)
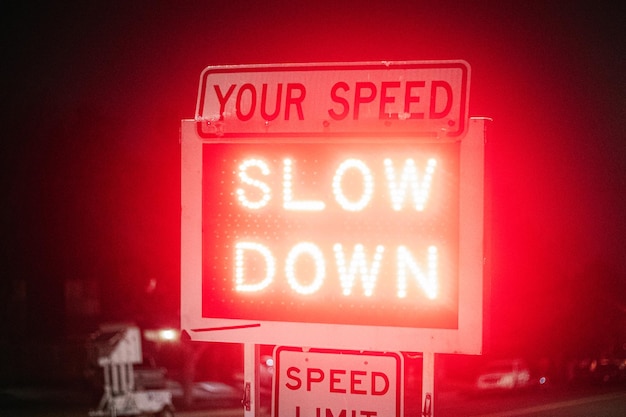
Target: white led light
point(288, 201)
point(240, 267)
point(320, 267)
point(409, 180)
point(168, 334)
point(368, 185)
point(358, 265)
point(263, 187)
point(428, 282)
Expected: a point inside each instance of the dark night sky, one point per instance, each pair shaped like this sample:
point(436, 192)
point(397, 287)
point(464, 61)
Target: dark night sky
point(93, 94)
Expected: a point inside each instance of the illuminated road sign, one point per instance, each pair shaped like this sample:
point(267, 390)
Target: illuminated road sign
point(348, 383)
point(364, 240)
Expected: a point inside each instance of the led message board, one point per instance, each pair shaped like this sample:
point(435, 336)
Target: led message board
point(349, 241)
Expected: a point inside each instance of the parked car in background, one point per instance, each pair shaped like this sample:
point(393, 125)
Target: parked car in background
point(206, 394)
point(599, 370)
point(504, 375)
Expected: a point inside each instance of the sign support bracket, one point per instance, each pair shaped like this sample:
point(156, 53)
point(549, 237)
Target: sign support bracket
point(428, 383)
point(251, 396)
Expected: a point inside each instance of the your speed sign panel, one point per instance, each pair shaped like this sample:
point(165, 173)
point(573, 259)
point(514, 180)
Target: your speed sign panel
point(427, 98)
point(333, 233)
